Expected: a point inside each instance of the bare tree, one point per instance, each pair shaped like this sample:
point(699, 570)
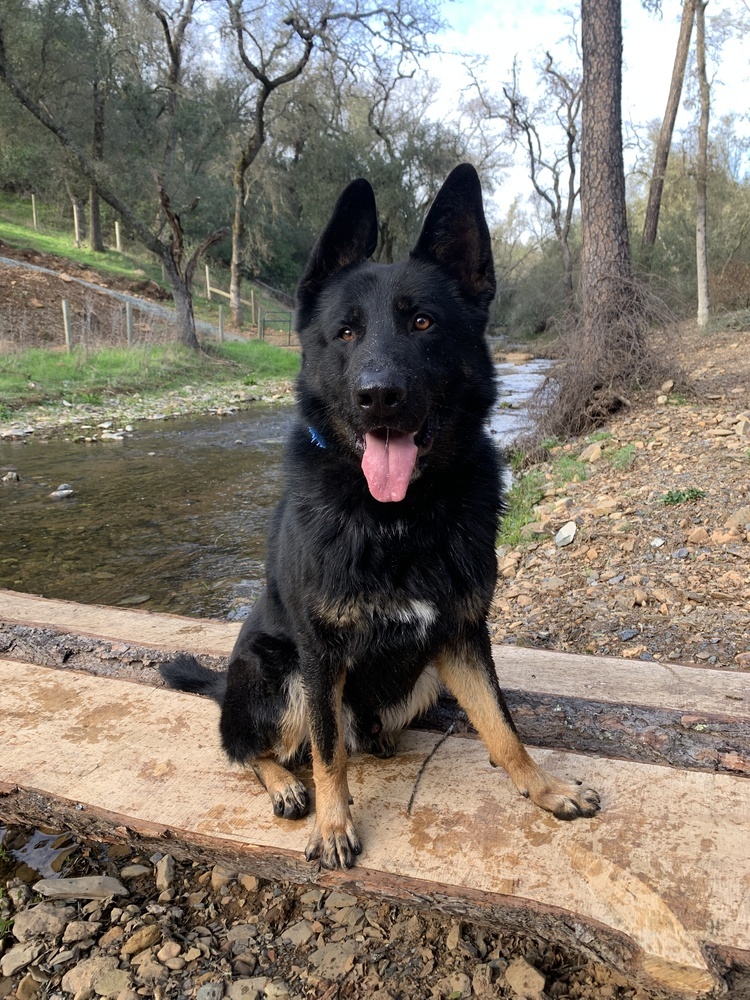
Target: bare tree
point(664, 143)
point(179, 266)
point(275, 55)
point(553, 172)
point(701, 165)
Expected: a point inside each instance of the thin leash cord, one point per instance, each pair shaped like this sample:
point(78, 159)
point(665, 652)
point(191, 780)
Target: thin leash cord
point(425, 762)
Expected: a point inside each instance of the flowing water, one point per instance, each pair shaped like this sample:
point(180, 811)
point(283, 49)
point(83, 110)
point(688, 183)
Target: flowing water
point(172, 518)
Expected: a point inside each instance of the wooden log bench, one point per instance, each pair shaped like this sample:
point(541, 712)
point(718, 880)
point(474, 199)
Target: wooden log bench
point(657, 886)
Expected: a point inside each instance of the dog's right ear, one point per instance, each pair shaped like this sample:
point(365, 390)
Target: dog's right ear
point(349, 238)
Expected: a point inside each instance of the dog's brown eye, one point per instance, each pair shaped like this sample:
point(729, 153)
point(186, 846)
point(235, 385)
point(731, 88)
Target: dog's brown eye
point(346, 333)
point(422, 322)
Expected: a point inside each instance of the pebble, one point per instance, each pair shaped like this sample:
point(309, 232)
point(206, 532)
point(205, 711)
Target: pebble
point(134, 871)
point(143, 938)
point(210, 991)
point(524, 979)
point(165, 869)
point(566, 534)
point(19, 957)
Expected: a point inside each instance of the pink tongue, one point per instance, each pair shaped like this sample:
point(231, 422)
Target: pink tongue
point(388, 464)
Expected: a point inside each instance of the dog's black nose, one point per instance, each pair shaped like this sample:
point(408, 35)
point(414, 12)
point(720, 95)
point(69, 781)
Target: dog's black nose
point(380, 397)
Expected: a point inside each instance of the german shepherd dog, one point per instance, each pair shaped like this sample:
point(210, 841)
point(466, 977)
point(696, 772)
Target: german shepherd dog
point(381, 557)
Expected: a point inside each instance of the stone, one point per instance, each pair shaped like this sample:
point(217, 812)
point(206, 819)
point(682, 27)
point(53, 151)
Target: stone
point(112, 936)
point(334, 960)
point(45, 920)
point(171, 949)
point(28, 988)
point(454, 937)
point(165, 870)
point(240, 934)
point(739, 519)
point(221, 876)
point(250, 883)
point(11, 477)
point(143, 938)
point(337, 900)
point(134, 871)
point(112, 983)
point(591, 453)
point(298, 934)
point(20, 956)
point(698, 536)
point(524, 979)
point(87, 974)
point(63, 490)
point(210, 991)
point(481, 981)
point(277, 990)
point(87, 887)
point(457, 985)
point(80, 930)
point(151, 971)
point(566, 534)
point(247, 988)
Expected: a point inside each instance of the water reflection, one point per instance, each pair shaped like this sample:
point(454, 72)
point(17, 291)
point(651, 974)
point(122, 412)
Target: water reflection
point(170, 519)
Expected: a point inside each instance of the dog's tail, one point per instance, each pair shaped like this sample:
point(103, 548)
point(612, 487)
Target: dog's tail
point(185, 673)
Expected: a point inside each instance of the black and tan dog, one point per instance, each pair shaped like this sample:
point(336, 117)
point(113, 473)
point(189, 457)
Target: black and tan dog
point(381, 558)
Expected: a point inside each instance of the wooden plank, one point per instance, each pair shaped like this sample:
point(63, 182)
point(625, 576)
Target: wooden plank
point(117, 758)
point(650, 711)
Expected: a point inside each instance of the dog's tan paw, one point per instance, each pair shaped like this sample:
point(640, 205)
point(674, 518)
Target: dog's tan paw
point(564, 799)
point(334, 846)
point(291, 801)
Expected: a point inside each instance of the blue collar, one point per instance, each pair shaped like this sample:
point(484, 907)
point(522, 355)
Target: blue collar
point(317, 438)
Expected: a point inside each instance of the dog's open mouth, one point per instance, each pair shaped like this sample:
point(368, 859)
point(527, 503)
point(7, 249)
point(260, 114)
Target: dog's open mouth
point(389, 460)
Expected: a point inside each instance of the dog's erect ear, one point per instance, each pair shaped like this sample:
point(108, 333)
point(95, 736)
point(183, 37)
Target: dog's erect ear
point(455, 234)
point(350, 236)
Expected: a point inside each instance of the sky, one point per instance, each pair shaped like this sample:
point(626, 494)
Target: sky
point(503, 29)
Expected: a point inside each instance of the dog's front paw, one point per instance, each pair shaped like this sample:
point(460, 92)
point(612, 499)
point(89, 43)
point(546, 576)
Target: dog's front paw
point(564, 799)
point(334, 846)
point(291, 801)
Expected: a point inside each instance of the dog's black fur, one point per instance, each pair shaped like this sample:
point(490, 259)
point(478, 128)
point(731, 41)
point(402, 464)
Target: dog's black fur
point(381, 557)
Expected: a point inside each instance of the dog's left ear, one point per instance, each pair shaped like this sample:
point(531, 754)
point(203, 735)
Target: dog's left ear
point(455, 234)
point(350, 237)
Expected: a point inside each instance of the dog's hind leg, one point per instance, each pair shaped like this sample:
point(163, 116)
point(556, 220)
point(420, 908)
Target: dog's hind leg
point(334, 841)
point(467, 670)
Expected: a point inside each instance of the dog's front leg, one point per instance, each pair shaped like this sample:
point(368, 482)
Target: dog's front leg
point(334, 840)
point(467, 670)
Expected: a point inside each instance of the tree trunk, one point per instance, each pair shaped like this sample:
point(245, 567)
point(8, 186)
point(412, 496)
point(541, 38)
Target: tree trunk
point(701, 171)
point(238, 238)
point(664, 143)
point(97, 155)
point(605, 248)
point(183, 303)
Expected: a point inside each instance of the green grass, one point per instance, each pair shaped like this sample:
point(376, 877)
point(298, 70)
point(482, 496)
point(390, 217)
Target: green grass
point(567, 469)
point(41, 376)
point(520, 500)
point(55, 236)
point(620, 458)
point(682, 496)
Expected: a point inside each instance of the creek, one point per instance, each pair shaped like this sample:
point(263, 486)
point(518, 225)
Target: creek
point(171, 518)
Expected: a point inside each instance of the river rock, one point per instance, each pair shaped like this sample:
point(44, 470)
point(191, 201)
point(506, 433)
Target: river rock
point(20, 956)
point(165, 869)
point(87, 887)
point(80, 930)
point(591, 453)
point(143, 938)
point(524, 979)
point(63, 490)
point(45, 920)
point(88, 973)
point(740, 518)
point(566, 534)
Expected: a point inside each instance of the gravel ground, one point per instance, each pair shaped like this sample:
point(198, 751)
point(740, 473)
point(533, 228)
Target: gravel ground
point(170, 929)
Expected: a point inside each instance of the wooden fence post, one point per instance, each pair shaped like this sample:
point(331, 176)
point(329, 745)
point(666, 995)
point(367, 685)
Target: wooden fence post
point(33, 211)
point(76, 225)
point(129, 322)
point(221, 324)
point(208, 285)
point(118, 244)
point(252, 306)
point(66, 324)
